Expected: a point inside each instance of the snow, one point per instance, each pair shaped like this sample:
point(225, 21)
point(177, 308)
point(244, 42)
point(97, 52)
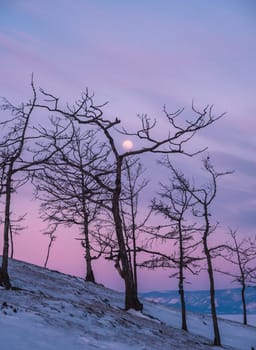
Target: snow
point(251, 319)
point(53, 311)
point(232, 333)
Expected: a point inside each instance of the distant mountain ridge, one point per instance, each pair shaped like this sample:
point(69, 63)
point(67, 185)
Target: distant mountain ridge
point(228, 301)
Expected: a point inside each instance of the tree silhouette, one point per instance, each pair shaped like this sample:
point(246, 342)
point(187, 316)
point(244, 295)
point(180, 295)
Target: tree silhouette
point(176, 204)
point(85, 112)
point(241, 253)
point(68, 195)
point(204, 196)
point(134, 223)
point(13, 162)
point(19, 157)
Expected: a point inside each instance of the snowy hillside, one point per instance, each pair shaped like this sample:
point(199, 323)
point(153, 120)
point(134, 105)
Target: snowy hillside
point(53, 311)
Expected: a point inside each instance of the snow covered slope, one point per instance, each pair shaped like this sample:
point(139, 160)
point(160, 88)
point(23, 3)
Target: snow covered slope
point(53, 311)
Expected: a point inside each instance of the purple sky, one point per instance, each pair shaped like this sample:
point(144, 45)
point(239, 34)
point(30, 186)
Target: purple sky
point(140, 55)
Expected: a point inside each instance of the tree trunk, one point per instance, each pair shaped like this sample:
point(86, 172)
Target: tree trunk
point(183, 307)
point(11, 243)
point(48, 251)
point(4, 276)
point(244, 304)
point(181, 283)
point(131, 295)
point(89, 270)
point(217, 341)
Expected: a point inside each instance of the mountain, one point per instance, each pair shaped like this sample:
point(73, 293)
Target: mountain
point(49, 310)
point(228, 301)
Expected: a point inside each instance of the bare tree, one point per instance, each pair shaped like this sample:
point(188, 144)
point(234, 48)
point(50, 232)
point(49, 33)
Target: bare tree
point(68, 195)
point(85, 112)
point(15, 229)
point(52, 237)
point(241, 253)
point(176, 205)
point(204, 196)
point(134, 223)
point(12, 147)
point(18, 157)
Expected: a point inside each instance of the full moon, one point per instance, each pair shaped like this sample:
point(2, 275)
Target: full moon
point(127, 145)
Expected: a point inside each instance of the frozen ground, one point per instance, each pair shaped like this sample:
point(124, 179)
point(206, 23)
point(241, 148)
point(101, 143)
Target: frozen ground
point(54, 311)
point(251, 319)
